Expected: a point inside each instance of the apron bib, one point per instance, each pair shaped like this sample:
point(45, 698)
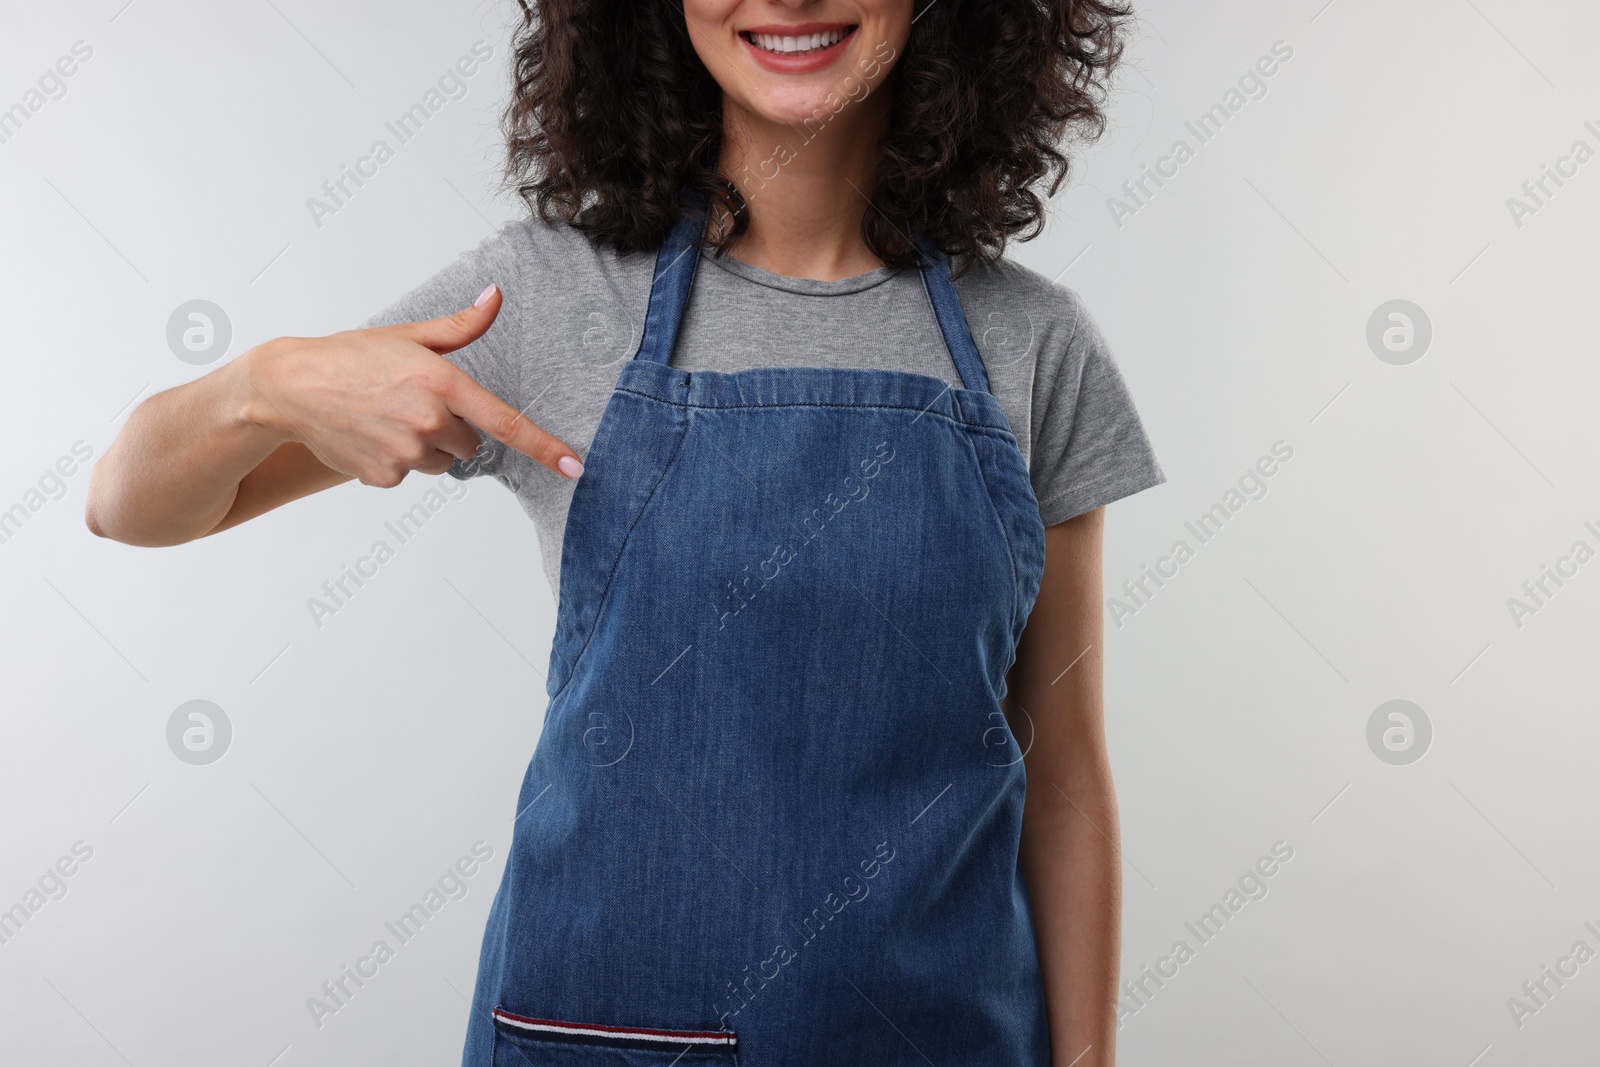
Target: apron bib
point(773, 816)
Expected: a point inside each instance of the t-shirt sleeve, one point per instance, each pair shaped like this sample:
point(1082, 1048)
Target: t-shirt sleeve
point(489, 360)
point(1090, 447)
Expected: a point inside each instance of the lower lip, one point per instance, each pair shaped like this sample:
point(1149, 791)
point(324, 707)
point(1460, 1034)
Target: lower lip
point(797, 64)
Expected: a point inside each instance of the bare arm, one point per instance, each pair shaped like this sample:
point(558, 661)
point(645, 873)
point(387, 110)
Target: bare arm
point(188, 456)
point(1070, 854)
point(298, 415)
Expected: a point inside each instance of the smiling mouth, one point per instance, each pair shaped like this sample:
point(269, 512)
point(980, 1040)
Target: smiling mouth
point(797, 45)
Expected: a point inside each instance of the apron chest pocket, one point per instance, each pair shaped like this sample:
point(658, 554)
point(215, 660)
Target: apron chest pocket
point(526, 1041)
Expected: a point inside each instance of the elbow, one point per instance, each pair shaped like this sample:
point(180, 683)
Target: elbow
point(100, 522)
point(107, 515)
point(100, 510)
point(95, 515)
point(94, 507)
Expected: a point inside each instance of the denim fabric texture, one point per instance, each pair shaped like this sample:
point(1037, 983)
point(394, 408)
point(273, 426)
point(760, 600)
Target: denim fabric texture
point(773, 816)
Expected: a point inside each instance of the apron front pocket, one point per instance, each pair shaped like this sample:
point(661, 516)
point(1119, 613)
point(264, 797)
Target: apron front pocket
point(526, 1041)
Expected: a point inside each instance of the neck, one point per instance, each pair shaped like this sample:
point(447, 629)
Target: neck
point(805, 188)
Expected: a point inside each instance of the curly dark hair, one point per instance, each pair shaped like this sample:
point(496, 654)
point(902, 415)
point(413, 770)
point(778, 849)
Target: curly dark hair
point(612, 116)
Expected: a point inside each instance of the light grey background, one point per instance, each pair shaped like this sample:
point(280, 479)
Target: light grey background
point(363, 762)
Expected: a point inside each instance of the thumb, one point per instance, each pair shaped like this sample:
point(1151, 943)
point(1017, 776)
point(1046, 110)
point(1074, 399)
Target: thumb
point(458, 329)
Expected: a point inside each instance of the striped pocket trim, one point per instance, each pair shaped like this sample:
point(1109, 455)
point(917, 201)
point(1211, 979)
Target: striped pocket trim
point(616, 1036)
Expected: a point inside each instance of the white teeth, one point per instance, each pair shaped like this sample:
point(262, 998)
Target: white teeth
point(796, 45)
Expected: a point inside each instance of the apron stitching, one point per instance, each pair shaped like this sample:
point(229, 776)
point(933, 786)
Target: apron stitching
point(981, 426)
point(622, 548)
point(1005, 534)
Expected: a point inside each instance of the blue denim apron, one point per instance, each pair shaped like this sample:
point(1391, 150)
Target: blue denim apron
point(773, 816)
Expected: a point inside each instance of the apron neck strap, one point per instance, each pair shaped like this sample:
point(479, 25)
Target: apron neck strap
point(952, 320)
point(679, 258)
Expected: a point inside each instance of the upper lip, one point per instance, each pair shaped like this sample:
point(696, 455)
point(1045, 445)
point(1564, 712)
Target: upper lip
point(797, 29)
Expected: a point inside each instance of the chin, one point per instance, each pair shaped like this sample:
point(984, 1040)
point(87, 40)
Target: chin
point(795, 105)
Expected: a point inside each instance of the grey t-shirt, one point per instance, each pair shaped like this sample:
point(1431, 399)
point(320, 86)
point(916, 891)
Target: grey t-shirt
point(573, 312)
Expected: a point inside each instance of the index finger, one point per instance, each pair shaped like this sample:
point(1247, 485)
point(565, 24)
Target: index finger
point(471, 401)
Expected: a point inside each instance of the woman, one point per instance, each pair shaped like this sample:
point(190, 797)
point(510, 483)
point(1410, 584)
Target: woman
point(826, 553)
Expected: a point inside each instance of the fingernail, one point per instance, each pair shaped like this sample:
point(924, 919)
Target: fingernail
point(483, 297)
point(570, 466)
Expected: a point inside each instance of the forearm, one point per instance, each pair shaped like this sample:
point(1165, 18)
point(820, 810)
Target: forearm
point(174, 470)
point(1071, 862)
